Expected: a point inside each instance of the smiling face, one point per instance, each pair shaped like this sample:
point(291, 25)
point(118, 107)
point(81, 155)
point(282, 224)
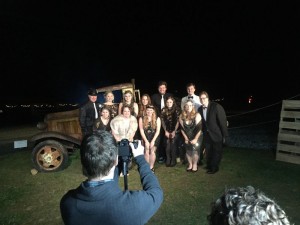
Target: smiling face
point(93, 98)
point(188, 107)
point(149, 112)
point(190, 90)
point(109, 97)
point(126, 112)
point(169, 103)
point(128, 98)
point(145, 100)
point(162, 89)
point(204, 100)
point(105, 113)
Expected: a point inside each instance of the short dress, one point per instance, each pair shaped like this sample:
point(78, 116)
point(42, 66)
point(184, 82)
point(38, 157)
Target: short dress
point(150, 132)
point(101, 126)
point(191, 131)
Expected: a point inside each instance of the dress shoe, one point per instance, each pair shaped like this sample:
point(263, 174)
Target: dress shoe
point(212, 171)
point(161, 160)
point(188, 170)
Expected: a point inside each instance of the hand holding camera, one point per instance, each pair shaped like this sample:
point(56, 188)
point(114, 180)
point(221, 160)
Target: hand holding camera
point(137, 148)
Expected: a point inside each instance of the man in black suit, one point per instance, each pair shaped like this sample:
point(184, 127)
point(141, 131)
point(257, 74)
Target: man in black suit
point(215, 133)
point(88, 113)
point(159, 100)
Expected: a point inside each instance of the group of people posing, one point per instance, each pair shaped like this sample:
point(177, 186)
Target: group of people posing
point(169, 131)
point(158, 124)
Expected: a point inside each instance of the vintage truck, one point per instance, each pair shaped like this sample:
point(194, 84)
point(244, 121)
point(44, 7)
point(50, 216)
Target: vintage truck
point(61, 135)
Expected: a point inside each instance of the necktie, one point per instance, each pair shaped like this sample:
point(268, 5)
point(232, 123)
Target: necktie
point(96, 113)
point(204, 112)
point(162, 102)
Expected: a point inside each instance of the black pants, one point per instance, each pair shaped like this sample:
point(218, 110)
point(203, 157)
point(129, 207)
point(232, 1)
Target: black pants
point(214, 151)
point(162, 145)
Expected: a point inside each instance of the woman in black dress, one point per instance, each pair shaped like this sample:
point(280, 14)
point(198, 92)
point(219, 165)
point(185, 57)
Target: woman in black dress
point(149, 126)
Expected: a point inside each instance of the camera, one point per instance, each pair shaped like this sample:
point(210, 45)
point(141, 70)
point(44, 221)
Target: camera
point(124, 148)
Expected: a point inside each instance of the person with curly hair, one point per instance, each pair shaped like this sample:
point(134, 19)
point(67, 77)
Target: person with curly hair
point(103, 121)
point(149, 126)
point(246, 206)
point(191, 128)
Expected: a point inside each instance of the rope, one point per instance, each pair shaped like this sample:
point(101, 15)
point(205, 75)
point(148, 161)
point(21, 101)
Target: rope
point(255, 110)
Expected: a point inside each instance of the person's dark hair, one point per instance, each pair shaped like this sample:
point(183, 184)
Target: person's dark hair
point(160, 83)
point(241, 206)
point(105, 108)
point(190, 84)
point(204, 93)
point(98, 153)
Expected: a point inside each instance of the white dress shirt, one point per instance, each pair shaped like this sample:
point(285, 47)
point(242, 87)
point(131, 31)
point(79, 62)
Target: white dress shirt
point(196, 101)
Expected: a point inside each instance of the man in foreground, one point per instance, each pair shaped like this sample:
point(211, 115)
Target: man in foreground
point(99, 199)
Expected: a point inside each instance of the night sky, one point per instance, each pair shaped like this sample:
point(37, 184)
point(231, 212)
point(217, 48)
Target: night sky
point(55, 51)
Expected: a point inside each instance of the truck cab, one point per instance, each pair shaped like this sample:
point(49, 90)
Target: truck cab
point(60, 134)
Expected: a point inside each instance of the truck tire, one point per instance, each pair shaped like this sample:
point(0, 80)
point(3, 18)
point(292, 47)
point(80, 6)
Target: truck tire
point(50, 156)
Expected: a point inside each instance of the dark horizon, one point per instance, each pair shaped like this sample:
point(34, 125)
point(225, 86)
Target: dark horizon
point(231, 49)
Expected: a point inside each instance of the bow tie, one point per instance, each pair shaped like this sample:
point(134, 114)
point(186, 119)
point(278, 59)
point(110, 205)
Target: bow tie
point(204, 107)
point(190, 97)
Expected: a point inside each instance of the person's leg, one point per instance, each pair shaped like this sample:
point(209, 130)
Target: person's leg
point(173, 152)
point(168, 153)
point(208, 152)
point(147, 152)
point(162, 147)
point(152, 157)
point(181, 148)
point(195, 158)
point(189, 159)
point(217, 155)
point(201, 155)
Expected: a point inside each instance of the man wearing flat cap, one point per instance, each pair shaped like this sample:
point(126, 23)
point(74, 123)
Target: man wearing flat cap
point(88, 113)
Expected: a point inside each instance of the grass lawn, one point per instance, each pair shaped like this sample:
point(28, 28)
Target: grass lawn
point(34, 199)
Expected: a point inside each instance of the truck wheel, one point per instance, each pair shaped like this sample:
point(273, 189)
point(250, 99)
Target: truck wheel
point(49, 156)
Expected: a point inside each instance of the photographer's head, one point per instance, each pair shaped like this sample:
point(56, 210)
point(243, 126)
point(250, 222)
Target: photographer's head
point(241, 206)
point(99, 153)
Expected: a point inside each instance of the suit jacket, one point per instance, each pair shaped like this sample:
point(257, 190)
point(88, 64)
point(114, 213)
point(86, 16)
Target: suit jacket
point(156, 100)
point(107, 204)
point(87, 116)
point(215, 124)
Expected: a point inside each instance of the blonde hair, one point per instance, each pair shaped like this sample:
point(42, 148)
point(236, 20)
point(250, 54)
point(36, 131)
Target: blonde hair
point(188, 116)
point(153, 120)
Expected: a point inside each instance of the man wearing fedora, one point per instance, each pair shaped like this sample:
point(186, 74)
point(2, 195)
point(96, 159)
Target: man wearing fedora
point(88, 113)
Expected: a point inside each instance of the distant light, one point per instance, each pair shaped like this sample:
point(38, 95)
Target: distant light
point(250, 99)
